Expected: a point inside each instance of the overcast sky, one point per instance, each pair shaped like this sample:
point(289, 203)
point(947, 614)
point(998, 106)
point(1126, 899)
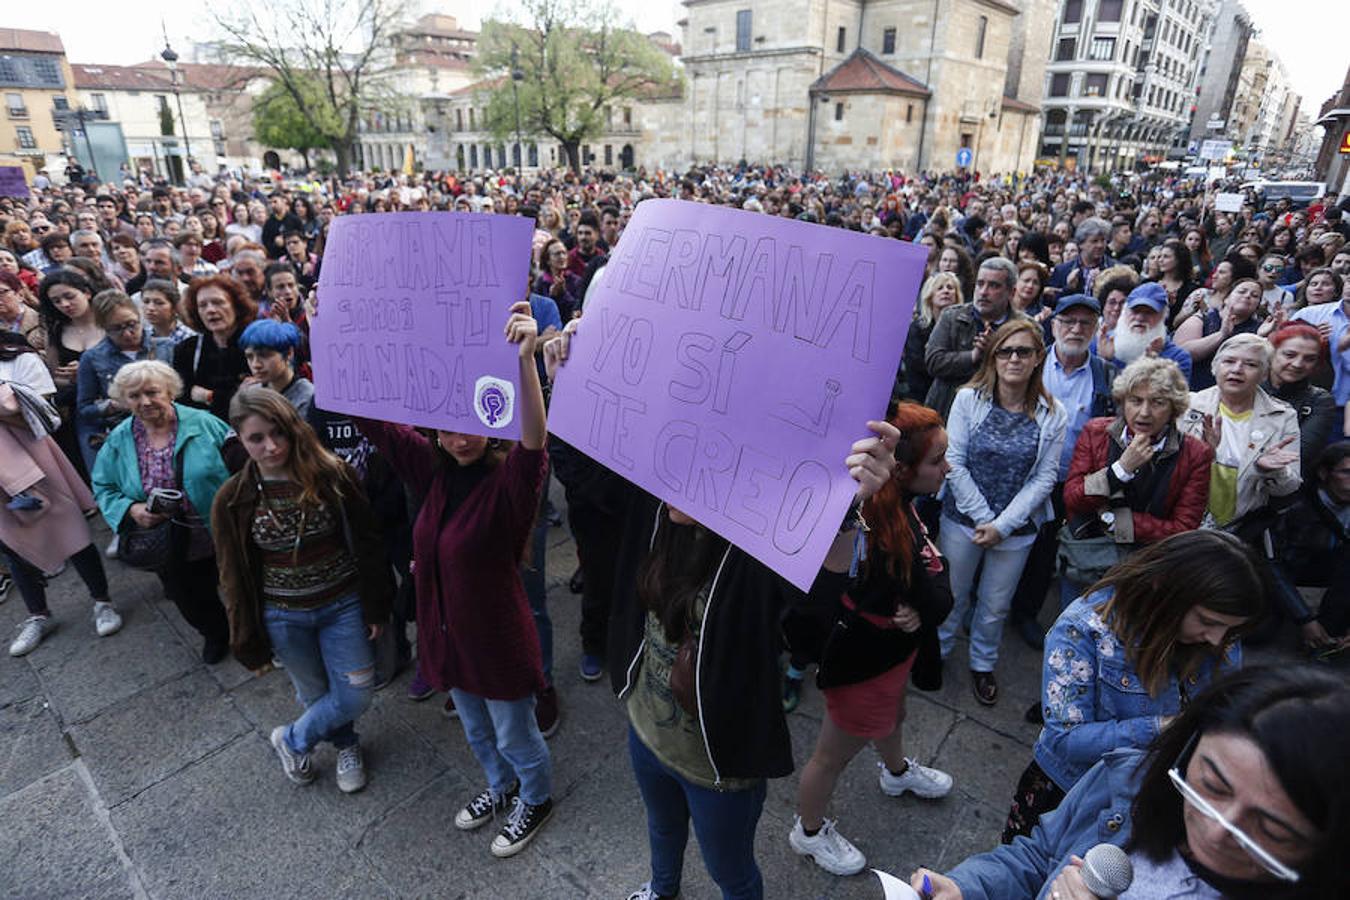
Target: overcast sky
point(1308, 35)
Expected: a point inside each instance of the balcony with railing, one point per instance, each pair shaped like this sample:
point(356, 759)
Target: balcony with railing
point(18, 112)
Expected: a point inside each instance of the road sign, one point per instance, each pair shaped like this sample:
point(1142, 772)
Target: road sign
point(1215, 149)
point(964, 157)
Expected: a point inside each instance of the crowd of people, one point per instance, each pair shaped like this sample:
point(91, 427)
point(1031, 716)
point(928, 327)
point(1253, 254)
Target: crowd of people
point(1110, 394)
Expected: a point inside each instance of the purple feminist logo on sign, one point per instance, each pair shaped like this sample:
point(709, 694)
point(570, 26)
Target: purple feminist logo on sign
point(495, 401)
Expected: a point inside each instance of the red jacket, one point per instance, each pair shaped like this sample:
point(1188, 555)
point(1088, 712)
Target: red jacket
point(1087, 489)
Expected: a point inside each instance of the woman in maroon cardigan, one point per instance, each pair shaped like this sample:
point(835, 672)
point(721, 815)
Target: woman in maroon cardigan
point(475, 634)
point(1136, 477)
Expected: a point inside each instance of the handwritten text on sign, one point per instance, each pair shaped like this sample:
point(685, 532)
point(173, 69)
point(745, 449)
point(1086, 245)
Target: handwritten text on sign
point(727, 361)
point(411, 318)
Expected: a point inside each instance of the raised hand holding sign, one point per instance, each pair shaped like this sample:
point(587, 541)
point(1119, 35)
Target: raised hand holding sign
point(727, 362)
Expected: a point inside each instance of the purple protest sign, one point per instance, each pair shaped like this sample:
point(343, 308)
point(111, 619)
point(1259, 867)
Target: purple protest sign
point(410, 327)
point(12, 182)
point(726, 363)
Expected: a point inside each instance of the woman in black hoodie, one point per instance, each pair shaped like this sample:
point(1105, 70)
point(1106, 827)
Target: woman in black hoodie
point(694, 641)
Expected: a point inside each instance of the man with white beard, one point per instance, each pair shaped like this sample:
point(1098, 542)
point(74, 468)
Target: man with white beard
point(1143, 330)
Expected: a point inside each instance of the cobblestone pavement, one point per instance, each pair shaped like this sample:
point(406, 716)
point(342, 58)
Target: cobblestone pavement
point(130, 769)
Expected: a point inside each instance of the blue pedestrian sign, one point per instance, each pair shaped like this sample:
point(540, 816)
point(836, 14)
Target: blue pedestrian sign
point(963, 158)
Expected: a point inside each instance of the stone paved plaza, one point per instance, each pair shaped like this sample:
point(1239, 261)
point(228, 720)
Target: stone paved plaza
point(130, 769)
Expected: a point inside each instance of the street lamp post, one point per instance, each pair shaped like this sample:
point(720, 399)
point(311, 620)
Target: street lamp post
point(171, 60)
point(517, 76)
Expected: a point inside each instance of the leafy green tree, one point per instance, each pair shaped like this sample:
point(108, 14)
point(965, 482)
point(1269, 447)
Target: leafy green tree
point(279, 122)
point(572, 59)
point(165, 118)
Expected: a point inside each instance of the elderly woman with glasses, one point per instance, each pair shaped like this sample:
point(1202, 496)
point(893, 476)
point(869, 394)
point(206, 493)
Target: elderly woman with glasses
point(1235, 798)
point(127, 340)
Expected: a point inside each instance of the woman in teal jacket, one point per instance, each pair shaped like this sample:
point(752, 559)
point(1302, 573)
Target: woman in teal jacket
point(163, 447)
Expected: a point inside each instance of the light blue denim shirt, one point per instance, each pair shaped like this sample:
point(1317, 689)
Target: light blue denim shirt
point(1096, 811)
point(1092, 698)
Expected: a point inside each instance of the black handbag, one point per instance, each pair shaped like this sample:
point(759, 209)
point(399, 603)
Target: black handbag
point(148, 549)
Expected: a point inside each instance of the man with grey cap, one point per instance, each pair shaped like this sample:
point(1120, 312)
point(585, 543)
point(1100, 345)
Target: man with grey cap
point(1080, 274)
point(1080, 380)
point(956, 346)
point(1143, 330)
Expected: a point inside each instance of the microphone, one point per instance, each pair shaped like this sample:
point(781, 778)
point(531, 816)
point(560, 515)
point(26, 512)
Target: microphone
point(1107, 871)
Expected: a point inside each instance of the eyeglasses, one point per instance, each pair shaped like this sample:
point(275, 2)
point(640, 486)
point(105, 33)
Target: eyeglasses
point(1271, 268)
point(1076, 322)
point(123, 328)
point(40, 229)
point(1019, 352)
point(1253, 849)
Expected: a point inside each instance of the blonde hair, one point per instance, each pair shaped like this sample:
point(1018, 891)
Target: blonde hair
point(930, 288)
point(1163, 378)
point(134, 375)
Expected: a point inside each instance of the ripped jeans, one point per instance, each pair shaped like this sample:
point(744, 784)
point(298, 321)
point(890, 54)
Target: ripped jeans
point(328, 657)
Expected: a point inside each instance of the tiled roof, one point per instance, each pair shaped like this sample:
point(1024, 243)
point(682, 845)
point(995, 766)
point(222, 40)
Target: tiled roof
point(863, 72)
point(31, 41)
point(119, 78)
point(1020, 105)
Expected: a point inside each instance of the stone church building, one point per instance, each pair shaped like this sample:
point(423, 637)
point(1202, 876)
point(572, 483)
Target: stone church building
point(862, 84)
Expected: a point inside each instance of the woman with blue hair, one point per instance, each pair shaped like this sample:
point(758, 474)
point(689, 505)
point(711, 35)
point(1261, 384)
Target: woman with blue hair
point(269, 346)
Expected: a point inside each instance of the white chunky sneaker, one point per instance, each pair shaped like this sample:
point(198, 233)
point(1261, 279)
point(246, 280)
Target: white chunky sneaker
point(830, 849)
point(351, 769)
point(106, 619)
point(922, 781)
point(31, 633)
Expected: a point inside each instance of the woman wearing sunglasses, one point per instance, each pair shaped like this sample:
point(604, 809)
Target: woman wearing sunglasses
point(1006, 433)
point(1244, 795)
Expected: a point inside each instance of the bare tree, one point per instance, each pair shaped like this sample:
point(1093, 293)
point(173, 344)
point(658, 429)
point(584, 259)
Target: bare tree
point(344, 47)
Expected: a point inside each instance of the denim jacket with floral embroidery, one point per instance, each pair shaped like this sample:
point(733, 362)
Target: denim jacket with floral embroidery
point(1093, 699)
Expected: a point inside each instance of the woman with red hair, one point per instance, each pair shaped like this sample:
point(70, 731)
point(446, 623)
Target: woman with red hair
point(212, 364)
point(897, 597)
point(1299, 350)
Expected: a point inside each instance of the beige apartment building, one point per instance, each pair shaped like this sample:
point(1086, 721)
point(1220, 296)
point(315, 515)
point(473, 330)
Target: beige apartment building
point(37, 82)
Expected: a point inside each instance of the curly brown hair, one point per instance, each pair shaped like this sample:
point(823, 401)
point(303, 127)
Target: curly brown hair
point(245, 310)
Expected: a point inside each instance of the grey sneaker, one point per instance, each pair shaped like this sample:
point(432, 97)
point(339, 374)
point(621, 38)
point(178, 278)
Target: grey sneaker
point(31, 633)
point(646, 893)
point(106, 619)
point(351, 769)
point(924, 782)
point(297, 766)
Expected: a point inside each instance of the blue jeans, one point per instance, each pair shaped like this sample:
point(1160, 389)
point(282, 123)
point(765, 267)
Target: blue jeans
point(998, 582)
point(506, 741)
point(724, 822)
point(328, 657)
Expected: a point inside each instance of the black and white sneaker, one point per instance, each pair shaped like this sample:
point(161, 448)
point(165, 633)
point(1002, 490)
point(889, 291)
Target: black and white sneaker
point(485, 807)
point(521, 826)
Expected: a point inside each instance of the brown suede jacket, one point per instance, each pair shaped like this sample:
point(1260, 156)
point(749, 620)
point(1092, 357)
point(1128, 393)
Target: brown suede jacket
point(240, 562)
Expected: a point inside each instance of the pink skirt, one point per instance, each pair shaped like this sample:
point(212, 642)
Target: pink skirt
point(873, 708)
